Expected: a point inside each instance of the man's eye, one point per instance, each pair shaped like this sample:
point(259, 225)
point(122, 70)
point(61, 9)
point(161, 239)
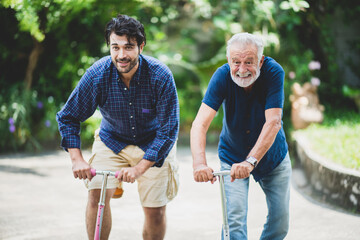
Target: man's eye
point(128, 47)
point(115, 48)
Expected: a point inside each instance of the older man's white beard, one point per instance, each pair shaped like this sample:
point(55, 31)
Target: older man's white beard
point(242, 80)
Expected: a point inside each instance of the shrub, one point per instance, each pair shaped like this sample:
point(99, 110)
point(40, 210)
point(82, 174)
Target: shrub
point(27, 121)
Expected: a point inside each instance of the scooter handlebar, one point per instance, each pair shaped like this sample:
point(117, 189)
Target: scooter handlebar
point(94, 172)
point(221, 173)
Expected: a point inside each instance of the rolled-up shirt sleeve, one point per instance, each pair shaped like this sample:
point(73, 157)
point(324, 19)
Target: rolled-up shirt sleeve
point(81, 105)
point(167, 113)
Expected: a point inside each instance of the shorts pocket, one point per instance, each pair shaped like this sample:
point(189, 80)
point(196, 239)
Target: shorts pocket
point(173, 179)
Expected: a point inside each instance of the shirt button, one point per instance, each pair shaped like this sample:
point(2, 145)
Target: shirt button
point(130, 103)
point(131, 116)
point(125, 89)
point(134, 136)
point(247, 131)
point(133, 128)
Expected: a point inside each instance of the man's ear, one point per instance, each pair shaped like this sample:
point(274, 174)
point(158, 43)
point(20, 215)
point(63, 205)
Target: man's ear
point(141, 47)
point(262, 61)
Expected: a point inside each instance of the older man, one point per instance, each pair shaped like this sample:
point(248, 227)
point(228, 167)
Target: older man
point(251, 89)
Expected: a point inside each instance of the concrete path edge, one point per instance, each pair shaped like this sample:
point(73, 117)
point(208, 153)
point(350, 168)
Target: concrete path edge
point(332, 183)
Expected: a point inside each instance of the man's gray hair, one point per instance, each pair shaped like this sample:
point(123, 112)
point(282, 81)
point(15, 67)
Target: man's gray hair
point(245, 39)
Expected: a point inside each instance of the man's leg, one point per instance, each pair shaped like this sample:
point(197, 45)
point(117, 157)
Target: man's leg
point(276, 187)
point(91, 213)
point(237, 205)
point(155, 223)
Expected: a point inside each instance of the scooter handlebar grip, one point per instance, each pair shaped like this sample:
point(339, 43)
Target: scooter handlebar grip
point(93, 172)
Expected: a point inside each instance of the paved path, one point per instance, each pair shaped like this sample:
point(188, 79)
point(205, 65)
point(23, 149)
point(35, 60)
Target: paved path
point(40, 199)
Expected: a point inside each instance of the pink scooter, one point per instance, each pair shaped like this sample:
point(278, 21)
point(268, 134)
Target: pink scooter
point(225, 226)
point(99, 217)
point(106, 174)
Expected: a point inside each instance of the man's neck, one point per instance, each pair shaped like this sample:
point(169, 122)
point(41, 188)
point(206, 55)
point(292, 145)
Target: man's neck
point(126, 77)
point(248, 89)
point(126, 82)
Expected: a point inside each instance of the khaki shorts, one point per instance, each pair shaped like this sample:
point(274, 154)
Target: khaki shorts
point(156, 187)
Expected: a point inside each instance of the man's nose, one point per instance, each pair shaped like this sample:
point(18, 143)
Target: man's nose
point(121, 53)
point(242, 68)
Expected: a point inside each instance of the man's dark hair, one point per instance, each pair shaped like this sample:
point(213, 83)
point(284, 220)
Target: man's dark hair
point(125, 25)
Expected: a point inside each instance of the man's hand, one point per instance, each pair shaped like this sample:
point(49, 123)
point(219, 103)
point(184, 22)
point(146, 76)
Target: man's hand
point(129, 174)
point(132, 173)
point(80, 168)
point(240, 170)
point(203, 173)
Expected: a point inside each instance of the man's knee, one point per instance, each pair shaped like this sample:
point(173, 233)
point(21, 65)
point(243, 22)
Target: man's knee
point(156, 215)
point(94, 197)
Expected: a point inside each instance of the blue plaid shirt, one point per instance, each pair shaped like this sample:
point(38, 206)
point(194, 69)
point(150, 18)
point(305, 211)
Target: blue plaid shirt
point(146, 114)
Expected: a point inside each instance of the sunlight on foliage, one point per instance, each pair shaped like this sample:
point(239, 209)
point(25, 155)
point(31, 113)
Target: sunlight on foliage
point(296, 5)
point(27, 13)
point(337, 139)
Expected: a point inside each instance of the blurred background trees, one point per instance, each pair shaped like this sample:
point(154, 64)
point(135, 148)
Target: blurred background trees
point(46, 46)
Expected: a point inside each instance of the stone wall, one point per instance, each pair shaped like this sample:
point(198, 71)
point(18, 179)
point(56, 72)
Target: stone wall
point(337, 185)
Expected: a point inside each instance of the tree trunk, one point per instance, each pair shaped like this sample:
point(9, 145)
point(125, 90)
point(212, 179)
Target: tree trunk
point(33, 60)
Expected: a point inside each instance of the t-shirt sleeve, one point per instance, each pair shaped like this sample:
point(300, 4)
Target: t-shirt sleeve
point(274, 76)
point(216, 91)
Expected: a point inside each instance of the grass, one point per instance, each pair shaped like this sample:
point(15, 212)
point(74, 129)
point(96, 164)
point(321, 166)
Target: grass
point(337, 138)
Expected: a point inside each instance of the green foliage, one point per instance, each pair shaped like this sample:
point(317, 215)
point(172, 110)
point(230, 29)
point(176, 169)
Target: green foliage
point(39, 16)
point(353, 93)
point(295, 5)
point(27, 122)
point(190, 36)
point(337, 138)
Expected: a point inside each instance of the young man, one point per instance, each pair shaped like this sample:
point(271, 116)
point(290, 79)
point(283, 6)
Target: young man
point(252, 140)
point(137, 98)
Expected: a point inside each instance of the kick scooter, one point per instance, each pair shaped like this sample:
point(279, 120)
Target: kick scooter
point(99, 217)
point(225, 226)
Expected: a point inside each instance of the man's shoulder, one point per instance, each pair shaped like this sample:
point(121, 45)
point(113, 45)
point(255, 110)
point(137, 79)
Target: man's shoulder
point(225, 68)
point(100, 66)
point(222, 74)
point(155, 66)
point(271, 65)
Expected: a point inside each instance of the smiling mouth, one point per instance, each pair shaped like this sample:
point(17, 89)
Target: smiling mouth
point(123, 60)
point(243, 75)
point(122, 63)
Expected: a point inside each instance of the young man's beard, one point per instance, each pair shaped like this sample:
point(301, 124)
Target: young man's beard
point(126, 60)
point(238, 78)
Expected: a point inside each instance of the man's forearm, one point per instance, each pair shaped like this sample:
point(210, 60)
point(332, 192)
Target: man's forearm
point(75, 154)
point(266, 139)
point(143, 166)
point(198, 144)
